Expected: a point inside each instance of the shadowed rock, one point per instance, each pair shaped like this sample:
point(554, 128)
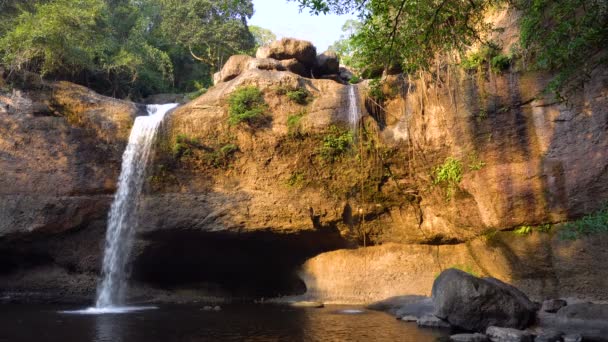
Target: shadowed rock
point(474, 304)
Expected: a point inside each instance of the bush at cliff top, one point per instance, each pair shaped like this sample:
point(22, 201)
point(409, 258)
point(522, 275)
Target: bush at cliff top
point(246, 105)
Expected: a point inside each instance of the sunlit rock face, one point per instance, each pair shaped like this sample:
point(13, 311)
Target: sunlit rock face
point(213, 219)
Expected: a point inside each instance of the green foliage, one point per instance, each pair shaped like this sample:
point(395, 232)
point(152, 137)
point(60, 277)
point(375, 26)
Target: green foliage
point(563, 36)
point(261, 37)
point(587, 225)
point(347, 47)
point(410, 33)
point(448, 174)
point(296, 179)
point(375, 91)
point(300, 96)
point(221, 157)
point(294, 130)
point(184, 146)
point(523, 230)
point(123, 48)
point(475, 164)
point(487, 55)
point(335, 144)
point(500, 62)
point(354, 80)
point(246, 105)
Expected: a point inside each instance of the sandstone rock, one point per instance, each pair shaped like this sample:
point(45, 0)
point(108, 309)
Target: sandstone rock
point(293, 65)
point(333, 77)
point(234, 66)
point(327, 63)
point(548, 336)
point(404, 305)
point(553, 305)
point(265, 64)
point(476, 337)
point(573, 338)
point(307, 304)
point(432, 321)
point(498, 334)
point(288, 48)
point(409, 318)
point(474, 304)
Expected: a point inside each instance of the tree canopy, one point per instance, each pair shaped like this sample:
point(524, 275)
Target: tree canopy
point(565, 36)
point(125, 48)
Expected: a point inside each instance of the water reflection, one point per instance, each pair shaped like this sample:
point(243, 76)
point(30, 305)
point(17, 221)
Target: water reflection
point(109, 328)
point(190, 323)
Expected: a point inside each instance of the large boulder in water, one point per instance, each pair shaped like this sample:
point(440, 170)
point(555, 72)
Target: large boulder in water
point(288, 48)
point(474, 304)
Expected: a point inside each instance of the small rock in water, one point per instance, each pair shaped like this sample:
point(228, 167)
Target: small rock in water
point(476, 337)
point(573, 338)
point(409, 318)
point(549, 336)
point(553, 305)
point(217, 308)
point(431, 321)
point(305, 304)
point(497, 334)
point(207, 307)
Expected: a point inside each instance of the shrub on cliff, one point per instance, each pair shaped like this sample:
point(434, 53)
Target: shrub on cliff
point(335, 144)
point(247, 105)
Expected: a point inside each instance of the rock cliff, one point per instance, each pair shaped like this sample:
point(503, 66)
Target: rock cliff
point(234, 210)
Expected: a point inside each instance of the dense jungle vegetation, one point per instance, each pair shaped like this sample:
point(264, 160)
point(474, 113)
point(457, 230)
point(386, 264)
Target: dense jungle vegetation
point(129, 48)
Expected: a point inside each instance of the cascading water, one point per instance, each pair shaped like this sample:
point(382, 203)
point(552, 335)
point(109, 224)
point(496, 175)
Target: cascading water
point(122, 219)
point(353, 109)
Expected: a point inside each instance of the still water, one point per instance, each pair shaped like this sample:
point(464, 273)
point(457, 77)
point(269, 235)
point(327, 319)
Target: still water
point(189, 323)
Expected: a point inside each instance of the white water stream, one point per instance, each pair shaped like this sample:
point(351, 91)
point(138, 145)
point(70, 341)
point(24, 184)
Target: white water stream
point(122, 219)
point(354, 115)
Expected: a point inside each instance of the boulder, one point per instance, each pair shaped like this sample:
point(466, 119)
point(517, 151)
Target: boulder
point(409, 318)
point(432, 321)
point(549, 336)
point(553, 305)
point(590, 320)
point(293, 65)
point(265, 64)
point(573, 338)
point(327, 63)
point(474, 304)
point(345, 74)
point(233, 67)
point(498, 334)
point(476, 337)
point(288, 48)
point(237, 64)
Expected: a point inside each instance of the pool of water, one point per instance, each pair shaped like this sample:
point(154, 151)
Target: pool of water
point(189, 323)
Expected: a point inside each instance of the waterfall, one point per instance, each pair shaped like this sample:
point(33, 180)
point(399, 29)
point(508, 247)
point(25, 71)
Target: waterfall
point(354, 115)
point(122, 219)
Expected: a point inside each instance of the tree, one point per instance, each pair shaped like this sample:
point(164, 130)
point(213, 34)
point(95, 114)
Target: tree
point(347, 46)
point(211, 30)
point(411, 32)
point(262, 36)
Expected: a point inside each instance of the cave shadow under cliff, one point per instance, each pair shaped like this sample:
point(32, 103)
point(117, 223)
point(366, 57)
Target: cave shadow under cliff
point(258, 264)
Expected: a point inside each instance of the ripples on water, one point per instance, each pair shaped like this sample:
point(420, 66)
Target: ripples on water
point(191, 324)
